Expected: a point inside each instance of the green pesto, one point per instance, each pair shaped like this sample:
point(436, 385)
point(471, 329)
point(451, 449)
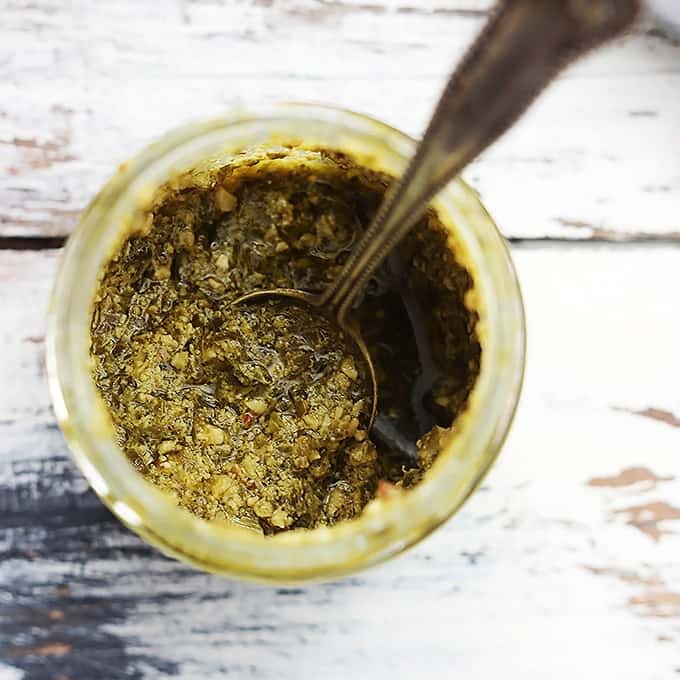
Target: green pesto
point(258, 414)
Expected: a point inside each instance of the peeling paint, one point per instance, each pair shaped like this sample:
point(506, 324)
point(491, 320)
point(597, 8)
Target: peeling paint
point(649, 516)
point(659, 414)
point(662, 604)
point(33, 154)
point(630, 476)
point(625, 575)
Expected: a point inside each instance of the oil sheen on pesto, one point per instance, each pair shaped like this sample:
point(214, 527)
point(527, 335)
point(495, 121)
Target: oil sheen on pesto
point(258, 414)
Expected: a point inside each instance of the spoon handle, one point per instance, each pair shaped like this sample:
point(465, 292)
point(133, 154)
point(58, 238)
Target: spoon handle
point(521, 49)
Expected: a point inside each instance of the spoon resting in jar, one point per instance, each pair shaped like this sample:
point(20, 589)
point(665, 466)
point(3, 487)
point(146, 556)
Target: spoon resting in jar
point(521, 49)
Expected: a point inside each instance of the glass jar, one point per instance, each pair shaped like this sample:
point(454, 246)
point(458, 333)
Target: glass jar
point(387, 526)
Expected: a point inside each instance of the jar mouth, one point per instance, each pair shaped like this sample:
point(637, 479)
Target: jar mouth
point(385, 527)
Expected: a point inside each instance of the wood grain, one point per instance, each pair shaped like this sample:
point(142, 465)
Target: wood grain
point(85, 85)
point(556, 546)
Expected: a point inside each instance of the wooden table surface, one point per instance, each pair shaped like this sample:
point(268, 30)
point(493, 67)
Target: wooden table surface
point(566, 564)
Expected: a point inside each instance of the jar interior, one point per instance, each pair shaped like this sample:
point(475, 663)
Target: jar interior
point(240, 421)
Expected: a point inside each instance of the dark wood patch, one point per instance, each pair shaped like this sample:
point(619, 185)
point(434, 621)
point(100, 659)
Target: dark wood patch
point(54, 613)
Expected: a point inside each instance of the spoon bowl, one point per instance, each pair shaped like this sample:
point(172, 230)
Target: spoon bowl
point(317, 302)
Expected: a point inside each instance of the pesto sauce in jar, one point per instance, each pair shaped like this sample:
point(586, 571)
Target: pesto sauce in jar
point(258, 414)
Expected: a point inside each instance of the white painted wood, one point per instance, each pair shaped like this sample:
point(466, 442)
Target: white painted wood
point(540, 575)
point(84, 85)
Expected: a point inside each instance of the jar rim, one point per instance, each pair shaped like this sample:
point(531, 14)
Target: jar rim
point(385, 527)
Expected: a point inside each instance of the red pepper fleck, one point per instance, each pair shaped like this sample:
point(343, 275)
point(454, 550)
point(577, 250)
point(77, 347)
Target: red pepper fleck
point(385, 489)
point(248, 418)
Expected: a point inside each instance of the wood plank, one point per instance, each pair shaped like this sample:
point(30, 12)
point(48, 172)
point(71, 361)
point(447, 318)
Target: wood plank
point(574, 536)
point(83, 86)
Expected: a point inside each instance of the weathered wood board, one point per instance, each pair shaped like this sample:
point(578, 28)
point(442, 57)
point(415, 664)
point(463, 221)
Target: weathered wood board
point(85, 85)
point(565, 563)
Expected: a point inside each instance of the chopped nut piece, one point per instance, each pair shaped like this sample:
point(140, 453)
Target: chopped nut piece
point(180, 360)
point(306, 241)
point(222, 262)
point(225, 201)
point(351, 428)
point(257, 406)
point(312, 420)
point(349, 369)
point(166, 446)
point(281, 519)
point(161, 273)
point(210, 434)
point(263, 508)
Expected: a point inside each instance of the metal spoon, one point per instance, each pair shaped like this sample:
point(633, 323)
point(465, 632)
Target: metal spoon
point(520, 50)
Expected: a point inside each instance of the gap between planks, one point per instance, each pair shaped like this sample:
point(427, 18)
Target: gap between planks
point(19, 243)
